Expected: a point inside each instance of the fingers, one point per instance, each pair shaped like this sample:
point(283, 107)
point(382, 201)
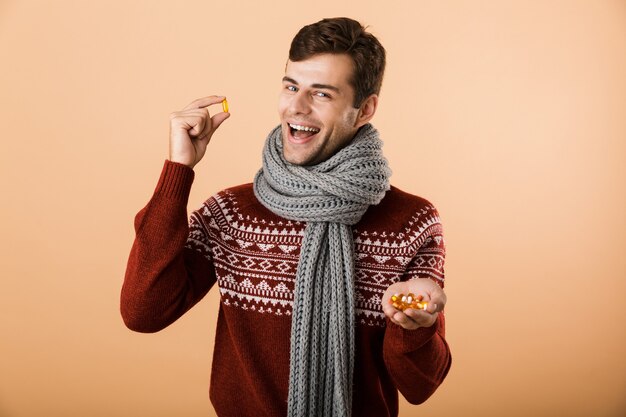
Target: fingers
point(218, 119)
point(437, 302)
point(406, 318)
point(388, 309)
point(434, 307)
point(197, 119)
point(421, 318)
point(402, 320)
point(204, 102)
point(410, 318)
point(210, 126)
point(422, 289)
point(396, 317)
point(432, 293)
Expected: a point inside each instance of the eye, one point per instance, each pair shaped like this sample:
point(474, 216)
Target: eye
point(291, 88)
point(322, 94)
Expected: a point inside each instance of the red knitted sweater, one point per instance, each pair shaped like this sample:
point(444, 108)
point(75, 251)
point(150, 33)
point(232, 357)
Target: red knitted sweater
point(252, 254)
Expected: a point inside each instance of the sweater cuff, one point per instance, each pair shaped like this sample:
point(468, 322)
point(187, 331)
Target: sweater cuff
point(175, 181)
point(404, 341)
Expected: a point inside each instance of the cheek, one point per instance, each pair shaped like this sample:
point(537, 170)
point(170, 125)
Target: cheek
point(342, 123)
point(349, 118)
point(283, 103)
point(328, 116)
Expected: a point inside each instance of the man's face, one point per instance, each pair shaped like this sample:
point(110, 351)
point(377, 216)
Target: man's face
point(317, 96)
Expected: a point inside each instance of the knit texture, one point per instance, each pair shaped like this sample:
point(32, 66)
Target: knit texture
point(233, 244)
point(331, 197)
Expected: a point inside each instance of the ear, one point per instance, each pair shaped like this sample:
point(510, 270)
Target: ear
point(366, 111)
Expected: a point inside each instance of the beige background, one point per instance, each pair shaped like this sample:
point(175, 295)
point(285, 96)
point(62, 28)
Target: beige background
point(509, 116)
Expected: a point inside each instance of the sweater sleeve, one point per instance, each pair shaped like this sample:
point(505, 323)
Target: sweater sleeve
point(169, 268)
point(419, 360)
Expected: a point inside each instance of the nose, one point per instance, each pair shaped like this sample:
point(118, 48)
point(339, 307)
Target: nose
point(299, 103)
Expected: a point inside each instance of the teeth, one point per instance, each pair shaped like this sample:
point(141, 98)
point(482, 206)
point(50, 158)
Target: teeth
point(305, 128)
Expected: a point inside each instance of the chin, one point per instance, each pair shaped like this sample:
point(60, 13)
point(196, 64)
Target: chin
point(295, 160)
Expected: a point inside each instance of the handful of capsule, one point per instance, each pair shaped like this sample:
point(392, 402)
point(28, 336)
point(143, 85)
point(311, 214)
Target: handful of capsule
point(402, 302)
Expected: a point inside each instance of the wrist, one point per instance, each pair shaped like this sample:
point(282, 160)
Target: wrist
point(181, 162)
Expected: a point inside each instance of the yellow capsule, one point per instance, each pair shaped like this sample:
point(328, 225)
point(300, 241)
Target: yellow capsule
point(225, 106)
point(422, 305)
point(402, 302)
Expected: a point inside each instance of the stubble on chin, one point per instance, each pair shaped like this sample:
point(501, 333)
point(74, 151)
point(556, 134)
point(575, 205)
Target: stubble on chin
point(292, 159)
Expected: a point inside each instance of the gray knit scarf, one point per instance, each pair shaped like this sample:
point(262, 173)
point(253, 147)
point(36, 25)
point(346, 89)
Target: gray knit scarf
point(330, 196)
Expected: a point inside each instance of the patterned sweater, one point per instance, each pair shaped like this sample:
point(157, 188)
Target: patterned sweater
point(252, 254)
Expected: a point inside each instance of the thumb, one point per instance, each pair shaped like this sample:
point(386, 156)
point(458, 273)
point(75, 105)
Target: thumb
point(217, 120)
point(436, 303)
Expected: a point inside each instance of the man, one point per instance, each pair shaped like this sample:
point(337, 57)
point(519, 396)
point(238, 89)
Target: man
point(307, 256)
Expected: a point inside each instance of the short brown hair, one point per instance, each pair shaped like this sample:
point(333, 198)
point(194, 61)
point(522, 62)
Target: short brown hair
point(342, 35)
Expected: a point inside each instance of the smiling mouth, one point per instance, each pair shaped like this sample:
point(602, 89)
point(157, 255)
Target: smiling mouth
point(301, 132)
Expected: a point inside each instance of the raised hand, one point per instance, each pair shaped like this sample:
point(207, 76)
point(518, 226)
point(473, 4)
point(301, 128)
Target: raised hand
point(191, 130)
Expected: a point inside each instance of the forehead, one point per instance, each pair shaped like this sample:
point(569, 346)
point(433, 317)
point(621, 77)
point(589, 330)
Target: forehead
point(332, 69)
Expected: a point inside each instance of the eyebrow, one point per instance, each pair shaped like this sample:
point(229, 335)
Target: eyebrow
point(324, 86)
